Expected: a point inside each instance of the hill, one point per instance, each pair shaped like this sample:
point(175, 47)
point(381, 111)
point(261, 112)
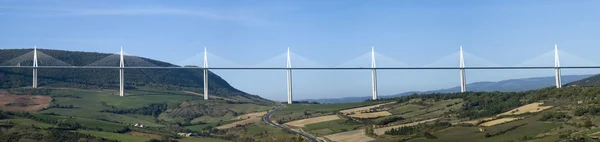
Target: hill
point(169, 79)
point(589, 81)
point(512, 85)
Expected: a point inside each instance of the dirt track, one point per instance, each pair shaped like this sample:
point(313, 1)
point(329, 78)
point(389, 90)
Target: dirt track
point(371, 115)
point(363, 109)
point(498, 121)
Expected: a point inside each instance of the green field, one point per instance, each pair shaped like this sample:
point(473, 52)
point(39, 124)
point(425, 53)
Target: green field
point(89, 104)
point(330, 127)
point(194, 139)
point(89, 123)
point(116, 136)
point(435, 110)
point(200, 127)
point(261, 128)
point(30, 122)
point(406, 108)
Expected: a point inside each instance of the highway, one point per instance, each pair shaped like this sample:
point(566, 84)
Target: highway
point(267, 118)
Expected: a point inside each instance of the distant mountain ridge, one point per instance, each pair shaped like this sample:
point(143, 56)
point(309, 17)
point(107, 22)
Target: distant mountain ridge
point(169, 79)
point(511, 85)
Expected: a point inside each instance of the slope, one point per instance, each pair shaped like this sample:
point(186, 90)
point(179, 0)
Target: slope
point(169, 79)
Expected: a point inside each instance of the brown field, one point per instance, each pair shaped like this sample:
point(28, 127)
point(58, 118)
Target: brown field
point(250, 115)
point(209, 96)
point(249, 119)
point(381, 131)
point(533, 107)
point(363, 109)
point(135, 133)
point(30, 103)
point(350, 136)
point(499, 121)
point(371, 115)
point(301, 123)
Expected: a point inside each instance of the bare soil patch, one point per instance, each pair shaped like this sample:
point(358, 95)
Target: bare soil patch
point(303, 122)
point(29, 103)
point(499, 121)
point(363, 109)
point(371, 115)
point(531, 108)
point(250, 115)
point(350, 136)
point(135, 133)
point(249, 119)
point(381, 131)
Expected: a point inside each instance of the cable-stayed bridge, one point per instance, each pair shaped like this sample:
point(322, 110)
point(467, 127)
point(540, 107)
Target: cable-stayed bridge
point(36, 60)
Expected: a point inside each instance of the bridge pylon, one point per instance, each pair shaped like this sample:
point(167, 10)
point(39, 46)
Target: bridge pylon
point(463, 75)
point(121, 74)
point(205, 77)
point(373, 74)
point(557, 67)
point(35, 66)
point(289, 77)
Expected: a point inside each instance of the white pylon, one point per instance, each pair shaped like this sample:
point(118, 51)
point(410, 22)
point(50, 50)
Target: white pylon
point(557, 66)
point(289, 77)
point(35, 65)
point(121, 74)
point(205, 75)
point(463, 78)
point(373, 74)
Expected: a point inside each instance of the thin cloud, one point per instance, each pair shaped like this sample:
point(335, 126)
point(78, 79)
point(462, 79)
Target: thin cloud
point(134, 12)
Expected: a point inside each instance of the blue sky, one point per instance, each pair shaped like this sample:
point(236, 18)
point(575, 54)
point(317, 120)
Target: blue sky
point(326, 33)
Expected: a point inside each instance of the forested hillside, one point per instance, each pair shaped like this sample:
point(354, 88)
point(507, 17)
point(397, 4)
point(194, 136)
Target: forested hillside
point(590, 81)
point(172, 79)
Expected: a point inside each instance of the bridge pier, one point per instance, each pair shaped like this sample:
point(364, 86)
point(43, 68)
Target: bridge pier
point(557, 67)
point(35, 65)
point(205, 77)
point(121, 75)
point(373, 74)
point(289, 77)
point(463, 75)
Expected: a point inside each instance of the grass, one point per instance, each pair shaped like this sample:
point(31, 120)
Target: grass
point(197, 139)
point(30, 122)
point(261, 128)
point(90, 123)
point(406, 108)
point(201, 127)
point(116, 136)
point(335, 126)
point(248, 108)
point(437, 108)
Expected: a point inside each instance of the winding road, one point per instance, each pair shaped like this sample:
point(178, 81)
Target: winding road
point(267, 118)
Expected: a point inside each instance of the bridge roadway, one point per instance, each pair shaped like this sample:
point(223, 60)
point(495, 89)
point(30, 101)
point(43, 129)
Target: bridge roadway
point(307, 68)
point(267, 118)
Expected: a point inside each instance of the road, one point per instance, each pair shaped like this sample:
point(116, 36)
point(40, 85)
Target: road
point(267, 118)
